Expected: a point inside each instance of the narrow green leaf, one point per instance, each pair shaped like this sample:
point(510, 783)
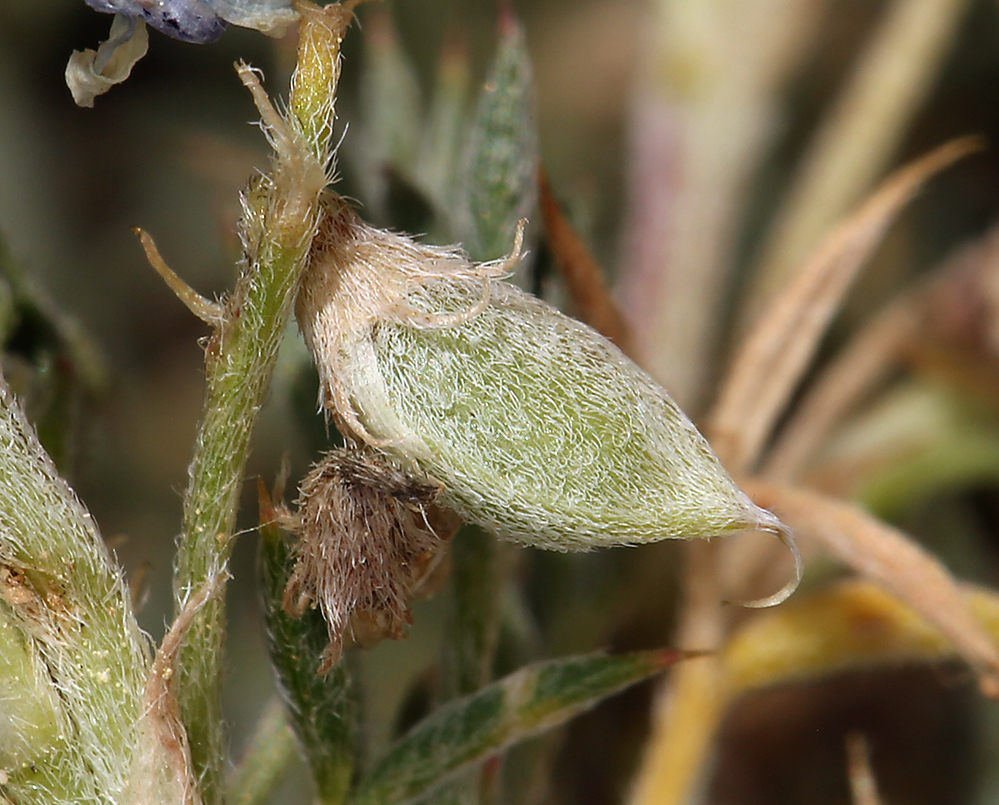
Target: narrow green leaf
point(498, 182)
point(390, 113)
point(469, 730)
point(440, 146)
point(321, 708)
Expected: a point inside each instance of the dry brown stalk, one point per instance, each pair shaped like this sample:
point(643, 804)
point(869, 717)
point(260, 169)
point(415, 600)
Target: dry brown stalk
point(863, 785)
point(860, 367)
point(888, 557)
point(583, 277)
point(855, 142)
point(778, 349)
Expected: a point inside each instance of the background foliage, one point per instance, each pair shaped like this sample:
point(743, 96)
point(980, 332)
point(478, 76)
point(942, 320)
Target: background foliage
point(170, 149)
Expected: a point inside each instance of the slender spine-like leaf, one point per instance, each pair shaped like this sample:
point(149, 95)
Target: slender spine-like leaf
point(469, 730)
point(320, 706)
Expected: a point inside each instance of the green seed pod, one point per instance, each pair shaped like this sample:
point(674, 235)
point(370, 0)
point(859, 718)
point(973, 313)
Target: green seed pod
point(539, 428)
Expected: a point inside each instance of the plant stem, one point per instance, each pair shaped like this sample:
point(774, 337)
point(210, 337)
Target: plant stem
point(477, 578)
point(240, 362)
point(279, 218)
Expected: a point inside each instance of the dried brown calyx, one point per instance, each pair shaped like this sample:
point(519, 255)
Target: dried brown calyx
point(369, 538)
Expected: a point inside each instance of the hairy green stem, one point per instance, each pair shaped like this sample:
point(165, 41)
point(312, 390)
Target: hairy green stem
point(279, 219)
point(240, 363)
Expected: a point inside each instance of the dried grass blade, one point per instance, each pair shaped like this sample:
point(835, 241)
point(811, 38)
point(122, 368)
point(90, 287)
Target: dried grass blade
point(778, 348)
point(855, 142)
point(863, 784)
point(583, 277)
point(860, 367)
point(891, 559)
point(689, 709)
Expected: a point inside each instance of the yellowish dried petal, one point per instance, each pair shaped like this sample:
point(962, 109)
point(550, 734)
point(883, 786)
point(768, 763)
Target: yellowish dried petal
point(90, 73)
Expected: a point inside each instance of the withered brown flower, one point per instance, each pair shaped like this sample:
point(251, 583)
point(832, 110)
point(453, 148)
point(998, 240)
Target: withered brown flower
point(369, 537)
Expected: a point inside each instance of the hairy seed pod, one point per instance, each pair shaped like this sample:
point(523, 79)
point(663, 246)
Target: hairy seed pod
point(539, 428)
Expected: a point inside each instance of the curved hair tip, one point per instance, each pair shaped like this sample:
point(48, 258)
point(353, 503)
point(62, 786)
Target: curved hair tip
point(784, 534)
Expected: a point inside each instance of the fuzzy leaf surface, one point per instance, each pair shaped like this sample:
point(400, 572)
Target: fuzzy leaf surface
point(469, 730)
point(498, 181)
point(72, 647)
point(320, 705)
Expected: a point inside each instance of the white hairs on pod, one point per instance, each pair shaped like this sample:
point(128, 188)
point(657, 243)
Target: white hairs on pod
point(539, 428)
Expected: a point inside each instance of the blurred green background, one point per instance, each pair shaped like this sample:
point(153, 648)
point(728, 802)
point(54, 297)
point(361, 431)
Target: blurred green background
point(169, 151)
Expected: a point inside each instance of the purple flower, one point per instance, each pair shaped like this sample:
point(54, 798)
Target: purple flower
point(201, 21)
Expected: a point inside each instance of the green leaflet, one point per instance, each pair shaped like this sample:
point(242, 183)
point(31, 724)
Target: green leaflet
point(497, 184)
point(536, 698)
point(541, 430)
point(320, 706)
point(390, 111)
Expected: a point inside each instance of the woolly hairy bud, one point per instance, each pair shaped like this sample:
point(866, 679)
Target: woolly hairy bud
point(368, 538)
point(538, 427)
